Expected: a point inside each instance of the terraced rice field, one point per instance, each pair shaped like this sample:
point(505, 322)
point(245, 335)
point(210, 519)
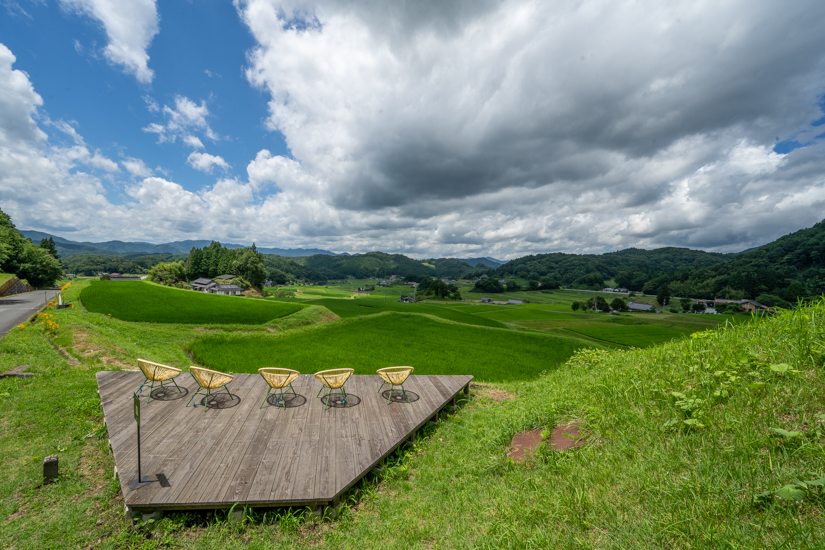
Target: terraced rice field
point(148, 303)
point(392, 339)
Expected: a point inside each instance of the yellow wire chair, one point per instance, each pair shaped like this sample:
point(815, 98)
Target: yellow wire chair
point(394, 376)
point(209, 380)
point(155, 372)
point(334, 379)
point(278, 379)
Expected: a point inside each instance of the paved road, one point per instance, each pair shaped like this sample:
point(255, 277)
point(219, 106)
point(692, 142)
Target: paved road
point(16, 309)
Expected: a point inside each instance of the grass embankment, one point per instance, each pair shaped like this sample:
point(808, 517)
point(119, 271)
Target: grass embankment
point(368, 306)
point(5, 277)
point(144, 302)
point(389, 339)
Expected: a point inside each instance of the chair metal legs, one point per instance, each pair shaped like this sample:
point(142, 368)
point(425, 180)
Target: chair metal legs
point(280, 396)
point(330, 393)
point(208, 393)
point(389, 397)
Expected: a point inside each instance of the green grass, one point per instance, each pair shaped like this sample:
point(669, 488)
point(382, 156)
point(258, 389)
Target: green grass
point(639, 336)
point(645, 479)
point(368, 306)
point(521, 313)
point(144, 302)
point(5, 277)
point(432, 347)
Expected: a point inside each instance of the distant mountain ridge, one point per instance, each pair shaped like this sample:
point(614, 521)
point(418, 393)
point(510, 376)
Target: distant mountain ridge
point(66, 247)
point(489, 262)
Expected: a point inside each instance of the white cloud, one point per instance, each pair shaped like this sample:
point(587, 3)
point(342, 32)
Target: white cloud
point(193, 142)
point(182, 120)
point(206, 162)
point(525, 126)
point(136, 167)
point(18, 105)
point(130, 28)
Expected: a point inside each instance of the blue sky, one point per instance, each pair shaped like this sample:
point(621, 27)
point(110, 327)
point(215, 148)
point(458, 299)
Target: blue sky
point(439, 128)
point(200, 55)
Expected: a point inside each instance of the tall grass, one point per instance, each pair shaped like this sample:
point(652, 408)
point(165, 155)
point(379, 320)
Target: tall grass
point(144, 302)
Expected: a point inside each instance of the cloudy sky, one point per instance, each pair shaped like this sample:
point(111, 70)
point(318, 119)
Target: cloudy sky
point(430, 128)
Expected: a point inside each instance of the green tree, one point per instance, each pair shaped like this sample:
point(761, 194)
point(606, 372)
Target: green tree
point(685, 303)
point(575, 306)
point(484, 285)
point(49, 246)
point(795, 291)
point(37, 266)
point(277, 276)
point(698, 307)
point(533, 284)
point(169, 274)
point(25, 259)
point(513, 286)
point(618, 304)
point(250, 265)
point(663, 296)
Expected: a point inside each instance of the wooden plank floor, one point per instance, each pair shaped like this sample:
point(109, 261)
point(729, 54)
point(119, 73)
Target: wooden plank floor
point(270, 456)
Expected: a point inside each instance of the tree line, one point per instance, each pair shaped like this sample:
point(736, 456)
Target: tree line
point(38, 264)
point(778, 273)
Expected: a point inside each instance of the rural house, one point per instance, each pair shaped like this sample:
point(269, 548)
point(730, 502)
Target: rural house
point(226, 290)
point(407, 300)
point(748, 305)
point(634, 306)
point(202, 284)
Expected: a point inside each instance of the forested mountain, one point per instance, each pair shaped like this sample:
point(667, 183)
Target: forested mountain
point(380, 264)
point(791, 267)
point(86, 264)
point(631, 268)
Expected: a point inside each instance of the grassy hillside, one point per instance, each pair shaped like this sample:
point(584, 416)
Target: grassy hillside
point(390, 339)
point(144, 302)
point(712, 441)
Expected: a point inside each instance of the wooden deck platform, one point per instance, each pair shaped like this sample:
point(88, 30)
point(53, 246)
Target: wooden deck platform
point(299, 456)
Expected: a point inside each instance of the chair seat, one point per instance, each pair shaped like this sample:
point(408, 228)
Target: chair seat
point(334, 378)
point(395, 375)
point(210, 379)
point(278, 378)
point(157, 372)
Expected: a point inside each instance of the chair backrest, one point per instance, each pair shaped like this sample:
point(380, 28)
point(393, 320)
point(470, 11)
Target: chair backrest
point(334, 378)
point(157, 372)
point(395, 375)
point(210, 379)
point(278, 378)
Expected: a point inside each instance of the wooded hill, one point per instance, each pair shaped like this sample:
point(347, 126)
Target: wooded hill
point(791, 267)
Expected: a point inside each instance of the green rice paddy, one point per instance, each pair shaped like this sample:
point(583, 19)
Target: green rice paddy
point(392, 339)
point(368, 306)
point(145, 302)
point(638, 336)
